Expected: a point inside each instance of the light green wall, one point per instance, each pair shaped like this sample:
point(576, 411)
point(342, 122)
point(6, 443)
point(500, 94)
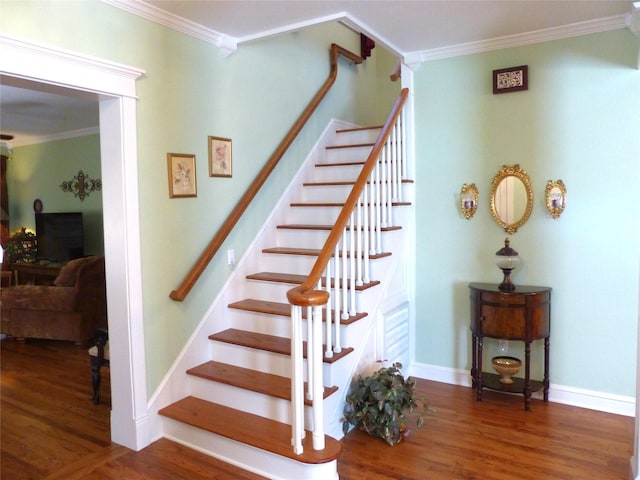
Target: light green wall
point(190, 91)
point(37, 171)
point(579, 122)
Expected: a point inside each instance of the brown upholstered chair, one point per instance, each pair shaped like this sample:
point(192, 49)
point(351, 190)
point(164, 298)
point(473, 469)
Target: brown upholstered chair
point(73, 308)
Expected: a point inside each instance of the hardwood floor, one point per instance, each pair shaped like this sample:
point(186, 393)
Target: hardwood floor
point(49, 429)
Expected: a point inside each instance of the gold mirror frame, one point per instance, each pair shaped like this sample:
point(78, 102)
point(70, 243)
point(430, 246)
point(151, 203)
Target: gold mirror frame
point(555, 195)
point(504, 173)
point(469, 200)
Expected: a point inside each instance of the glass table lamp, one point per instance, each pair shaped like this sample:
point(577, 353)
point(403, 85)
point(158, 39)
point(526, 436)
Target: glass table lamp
point(507, 259)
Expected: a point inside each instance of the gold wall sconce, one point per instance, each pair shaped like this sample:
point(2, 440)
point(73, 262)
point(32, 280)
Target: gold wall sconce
point(469, 200)
point(555, 197)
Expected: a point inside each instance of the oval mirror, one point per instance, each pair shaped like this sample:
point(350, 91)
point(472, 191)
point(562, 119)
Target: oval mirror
point(511, 198)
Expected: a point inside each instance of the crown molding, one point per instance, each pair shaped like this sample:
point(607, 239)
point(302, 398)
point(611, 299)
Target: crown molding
point(632, 20)
point(225, 43)
point(510, 41)
point(25, 140)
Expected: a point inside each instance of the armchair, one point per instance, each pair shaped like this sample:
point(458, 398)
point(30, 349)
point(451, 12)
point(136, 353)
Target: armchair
point(72, 309)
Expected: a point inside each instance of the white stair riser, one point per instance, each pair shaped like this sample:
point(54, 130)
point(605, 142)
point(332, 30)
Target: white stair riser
point(313, 239)
point(269, 324)
point(241, 399)
point(352, 154)
point(259, 360)
point(256, 403)
point(336, 173)
point(277, 292)
point(323, 193)
point(257, 461)
point(275, 262)
point(321, 215)
point(351, 137)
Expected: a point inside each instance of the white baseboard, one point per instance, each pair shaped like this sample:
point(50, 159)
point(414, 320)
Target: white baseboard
point(577, 397)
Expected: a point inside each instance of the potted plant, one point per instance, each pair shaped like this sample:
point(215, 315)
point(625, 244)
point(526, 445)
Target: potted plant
point(21, 247)
point(378, 403)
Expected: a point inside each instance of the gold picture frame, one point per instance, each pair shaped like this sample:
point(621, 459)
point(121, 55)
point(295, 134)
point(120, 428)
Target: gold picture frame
point(182, 175)
point(220, 157)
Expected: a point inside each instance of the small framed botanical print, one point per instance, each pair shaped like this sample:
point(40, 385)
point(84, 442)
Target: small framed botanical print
point(182, 175)
point(219, 157)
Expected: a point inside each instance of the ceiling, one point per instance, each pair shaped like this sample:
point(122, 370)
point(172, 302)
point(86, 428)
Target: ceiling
point(29, 111)
point(404, 25)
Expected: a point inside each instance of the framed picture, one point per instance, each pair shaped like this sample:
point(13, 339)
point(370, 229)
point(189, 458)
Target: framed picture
point(511, 79)
point(219, 157)
point(182, 175)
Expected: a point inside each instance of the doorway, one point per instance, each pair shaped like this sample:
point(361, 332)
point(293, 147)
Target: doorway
point(114, 88)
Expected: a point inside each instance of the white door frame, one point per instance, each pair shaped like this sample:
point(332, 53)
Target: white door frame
point(115, 89)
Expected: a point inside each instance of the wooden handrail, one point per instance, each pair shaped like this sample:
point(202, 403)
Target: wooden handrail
point(306, 294)
point(216, 242)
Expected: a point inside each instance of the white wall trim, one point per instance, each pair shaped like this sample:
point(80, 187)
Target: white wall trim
point(632, 19)
point(572, 30)
point(225, 43)
point(32, 61)
point(34, 140)
point(116, 85)
point(577, 397)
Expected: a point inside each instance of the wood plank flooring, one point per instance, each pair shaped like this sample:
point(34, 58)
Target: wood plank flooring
point(49, 429)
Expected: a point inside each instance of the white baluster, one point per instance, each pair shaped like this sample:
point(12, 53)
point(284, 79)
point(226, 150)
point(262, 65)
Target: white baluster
point(336, 285)
point(297, 381)
point(345, 273)
point(337, 341)
point(365, 231)
point(328, 352)
point(310, 341)
point(351, 287)
point(394, 162)
point(383, 184)
point(360, 233)
point(315, 350)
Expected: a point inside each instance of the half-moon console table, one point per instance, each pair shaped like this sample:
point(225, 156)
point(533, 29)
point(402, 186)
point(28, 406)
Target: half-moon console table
point(523, 314)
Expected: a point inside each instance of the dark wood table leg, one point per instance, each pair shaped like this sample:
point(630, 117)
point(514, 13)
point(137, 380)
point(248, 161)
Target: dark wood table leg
point(474, 365)
point(479, 370)
point(546, 369)
point(527, 378)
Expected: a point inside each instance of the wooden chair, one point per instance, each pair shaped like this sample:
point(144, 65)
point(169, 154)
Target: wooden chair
point(99, 357)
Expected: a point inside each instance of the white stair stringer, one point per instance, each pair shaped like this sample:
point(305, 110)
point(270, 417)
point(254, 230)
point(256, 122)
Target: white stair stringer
point(245, 456)
point(363, 335)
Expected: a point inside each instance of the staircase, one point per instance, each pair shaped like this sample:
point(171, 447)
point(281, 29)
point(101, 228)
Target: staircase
point(237, 382)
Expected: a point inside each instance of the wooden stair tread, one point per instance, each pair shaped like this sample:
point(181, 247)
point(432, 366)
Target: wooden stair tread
point(341, 183)
point(306, 226)
point(312, 252)
point(337, 204)
point(359, 129)
point(295, 279)
point(340, 164)
point(253, 380)
point(259, 432)
point(351, 145)
point(269, 343)
point(282, 309)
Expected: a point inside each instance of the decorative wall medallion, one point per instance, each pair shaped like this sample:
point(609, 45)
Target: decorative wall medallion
point(81, 185)
point(511, 79)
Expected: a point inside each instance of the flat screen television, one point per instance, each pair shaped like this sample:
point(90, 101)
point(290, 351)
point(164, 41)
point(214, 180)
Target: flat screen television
point(60, 236)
